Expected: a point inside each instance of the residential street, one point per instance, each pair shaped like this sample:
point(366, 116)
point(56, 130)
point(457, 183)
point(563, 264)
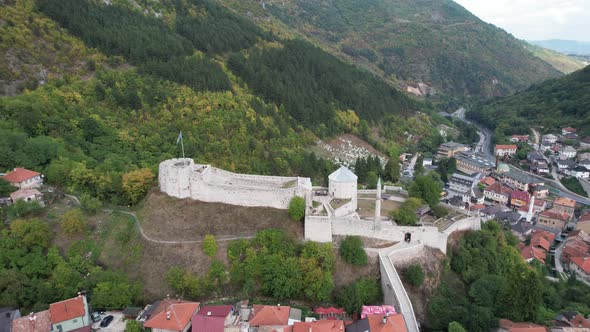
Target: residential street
point(486, 150)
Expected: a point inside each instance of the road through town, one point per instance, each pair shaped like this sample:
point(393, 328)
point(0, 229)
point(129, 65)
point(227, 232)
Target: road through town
point(485, 148)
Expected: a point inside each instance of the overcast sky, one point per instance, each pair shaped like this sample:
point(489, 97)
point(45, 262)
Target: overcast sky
point(536, 19)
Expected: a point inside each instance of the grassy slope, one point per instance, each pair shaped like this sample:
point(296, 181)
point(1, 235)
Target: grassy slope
point(564, 63)
point(435, 42)
point(35, 48)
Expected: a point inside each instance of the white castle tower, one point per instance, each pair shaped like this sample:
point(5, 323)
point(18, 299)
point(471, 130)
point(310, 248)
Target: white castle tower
point(377, 222)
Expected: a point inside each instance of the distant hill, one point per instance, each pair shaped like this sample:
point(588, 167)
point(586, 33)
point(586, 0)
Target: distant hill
point(565, 46)
point(418, 44)
point(552, 104)
point(562, 62)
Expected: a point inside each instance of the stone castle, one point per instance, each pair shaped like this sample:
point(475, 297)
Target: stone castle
point(182, 178)
point(328, 213)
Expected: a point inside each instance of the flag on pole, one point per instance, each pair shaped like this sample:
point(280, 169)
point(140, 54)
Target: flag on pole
point(179, 137)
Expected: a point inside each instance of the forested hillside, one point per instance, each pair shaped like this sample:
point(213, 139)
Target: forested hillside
point(552, 104)
point(434, 42)
point(487, 280)
point(35, 49)
point(244, 99)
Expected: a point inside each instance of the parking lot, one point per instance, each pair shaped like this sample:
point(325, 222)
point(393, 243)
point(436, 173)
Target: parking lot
point(117, 325)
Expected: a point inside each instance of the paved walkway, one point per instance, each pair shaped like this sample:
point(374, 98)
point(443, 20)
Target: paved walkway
point(218, 238)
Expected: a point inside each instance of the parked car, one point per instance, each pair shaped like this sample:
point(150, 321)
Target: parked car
point(106, 321)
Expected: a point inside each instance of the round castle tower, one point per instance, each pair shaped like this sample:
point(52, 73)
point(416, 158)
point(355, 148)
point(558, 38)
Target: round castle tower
point(174, 177)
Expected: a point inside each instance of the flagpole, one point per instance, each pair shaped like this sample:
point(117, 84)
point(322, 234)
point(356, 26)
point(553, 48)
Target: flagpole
point(182, 145)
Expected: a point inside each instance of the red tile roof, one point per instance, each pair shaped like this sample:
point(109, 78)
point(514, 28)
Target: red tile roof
point(38, 322)
point(208, 323)
point(565, 202)
point(67, 309)
point(269, 315)
point(330, 310)
point(521, 137)
point(521, 327)
point(498, 188)
point(550, 237)
point(488, 181)
point(394, 323)
point(580, 321)
point(319, 326)
point(174, 316)
point(569, 129)
point(530, 252)
point(521, 195)
point(506, 147)
point(20, 175)
point(583, 263)
point(215, 310)
point(555, 215)
point(574, 248)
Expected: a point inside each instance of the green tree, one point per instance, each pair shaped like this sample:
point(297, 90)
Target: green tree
point(186, 283)
point(217, 276)
point(297, 208)
point(351, 251)
point(90, 204)
point(405, 216)
point(73, 222)
point(31, 232)
point(6, 188)
point(439, 211)
point(362, 292)
point(426, 187)
point(456, 327)
point(112, 295)
point(392, 169)
point(136, 184)
point(414, 275)
point(209, 245)
point(132, 325)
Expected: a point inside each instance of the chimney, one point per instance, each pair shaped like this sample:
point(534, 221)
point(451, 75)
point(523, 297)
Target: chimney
point(168, 314)
point(167, 296)
point(208, 313)
point(384, 320)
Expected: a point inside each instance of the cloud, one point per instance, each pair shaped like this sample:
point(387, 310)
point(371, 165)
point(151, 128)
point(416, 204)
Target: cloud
point(535, 19)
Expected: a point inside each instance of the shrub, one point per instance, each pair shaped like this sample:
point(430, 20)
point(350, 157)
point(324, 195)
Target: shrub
point(362, 292)
point(414, 275)
point(209, 245)
point(297, 208)
point(132, 325)
point(90, 204)
point(22, 209)
point(456, 327)
point(439, 211)
point(73, 222)
point(351, 250)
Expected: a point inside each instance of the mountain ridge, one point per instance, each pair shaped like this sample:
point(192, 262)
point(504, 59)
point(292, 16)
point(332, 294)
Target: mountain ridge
point(576, 47)
point(415, 45)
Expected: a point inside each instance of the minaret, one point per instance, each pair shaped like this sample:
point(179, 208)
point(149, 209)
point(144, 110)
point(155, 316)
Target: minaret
point(377, 222)
point(529, 215)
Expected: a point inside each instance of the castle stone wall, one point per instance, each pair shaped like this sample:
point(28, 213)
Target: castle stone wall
point(321, 229)
point(182, 178)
